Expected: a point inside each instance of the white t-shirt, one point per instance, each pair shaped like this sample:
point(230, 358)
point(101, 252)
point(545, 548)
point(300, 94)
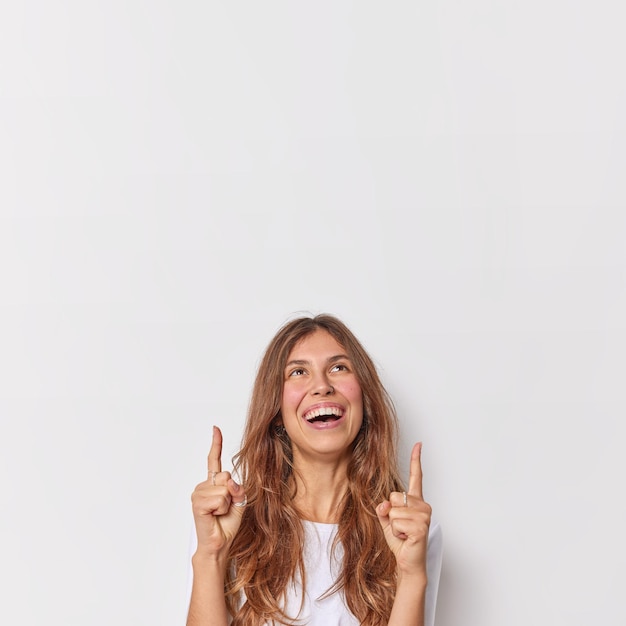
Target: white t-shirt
point(322, 570)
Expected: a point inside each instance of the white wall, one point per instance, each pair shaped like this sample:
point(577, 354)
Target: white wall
point(178, 179)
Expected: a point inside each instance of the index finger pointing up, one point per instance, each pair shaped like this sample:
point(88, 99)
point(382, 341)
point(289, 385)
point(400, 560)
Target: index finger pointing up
point(415, 472)
point(215, 453)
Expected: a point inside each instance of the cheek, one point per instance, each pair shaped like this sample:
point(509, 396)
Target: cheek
point(291, 398)
point(354, 394)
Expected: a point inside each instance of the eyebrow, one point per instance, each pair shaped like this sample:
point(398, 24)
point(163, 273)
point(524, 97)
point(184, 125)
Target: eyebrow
point(330, 359)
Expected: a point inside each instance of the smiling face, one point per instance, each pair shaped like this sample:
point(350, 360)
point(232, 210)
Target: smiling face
point(322, 401)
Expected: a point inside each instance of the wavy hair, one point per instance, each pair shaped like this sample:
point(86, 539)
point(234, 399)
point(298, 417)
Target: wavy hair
point(266, 555)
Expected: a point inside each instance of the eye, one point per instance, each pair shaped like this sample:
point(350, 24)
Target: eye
point(297, 372)
point(339, 367)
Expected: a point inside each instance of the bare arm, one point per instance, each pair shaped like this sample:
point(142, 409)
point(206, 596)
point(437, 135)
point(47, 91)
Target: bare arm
point(207, 606)
point(410, 603)
point(217, 508)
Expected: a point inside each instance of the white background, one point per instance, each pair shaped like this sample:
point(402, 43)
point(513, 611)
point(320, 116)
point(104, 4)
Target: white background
point(180, 178)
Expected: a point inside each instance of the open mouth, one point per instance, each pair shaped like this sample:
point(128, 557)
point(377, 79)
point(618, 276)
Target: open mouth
point(324, 414)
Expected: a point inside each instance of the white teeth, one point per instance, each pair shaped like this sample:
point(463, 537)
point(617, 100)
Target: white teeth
point(326, 410)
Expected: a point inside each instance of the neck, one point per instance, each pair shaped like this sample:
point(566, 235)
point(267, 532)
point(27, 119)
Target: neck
point(320, 487)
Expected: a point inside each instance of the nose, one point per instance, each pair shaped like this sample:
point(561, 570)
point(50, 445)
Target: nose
point(321, 386)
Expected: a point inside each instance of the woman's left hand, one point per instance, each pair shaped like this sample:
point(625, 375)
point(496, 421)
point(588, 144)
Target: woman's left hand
point(405, 520)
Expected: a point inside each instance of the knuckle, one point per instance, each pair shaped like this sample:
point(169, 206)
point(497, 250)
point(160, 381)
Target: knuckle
point(198, 504)
point(199, 488)
point(221, 478)
point(396, 513)
point(396, 498)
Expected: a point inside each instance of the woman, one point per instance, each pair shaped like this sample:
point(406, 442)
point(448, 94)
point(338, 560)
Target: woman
point(321, 529)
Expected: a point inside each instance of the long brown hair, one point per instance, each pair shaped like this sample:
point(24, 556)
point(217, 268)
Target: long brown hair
point(266, 554)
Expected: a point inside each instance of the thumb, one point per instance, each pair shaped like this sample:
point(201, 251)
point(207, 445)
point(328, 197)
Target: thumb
point(238, 494)
point(382, 512)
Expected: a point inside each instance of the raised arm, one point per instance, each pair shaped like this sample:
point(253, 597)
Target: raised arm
point(218, 505)
point(405, 519)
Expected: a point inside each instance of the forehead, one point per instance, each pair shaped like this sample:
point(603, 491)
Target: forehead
point(318, 344)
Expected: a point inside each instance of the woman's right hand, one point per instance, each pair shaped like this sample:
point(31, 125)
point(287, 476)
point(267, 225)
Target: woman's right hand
point(218, 504)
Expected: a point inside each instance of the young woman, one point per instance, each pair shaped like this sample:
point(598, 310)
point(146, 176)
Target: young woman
point(321, 529)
